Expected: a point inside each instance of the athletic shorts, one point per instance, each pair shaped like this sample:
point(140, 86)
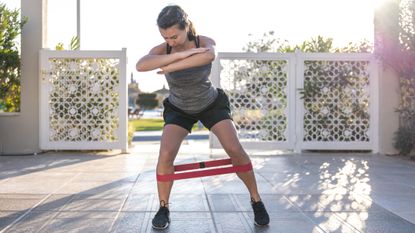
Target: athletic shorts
point(217, 111)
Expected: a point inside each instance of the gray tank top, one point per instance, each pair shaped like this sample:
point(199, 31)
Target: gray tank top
point(190, 89)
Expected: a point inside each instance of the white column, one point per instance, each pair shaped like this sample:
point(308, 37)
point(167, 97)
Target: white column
point(19, 133)
point(386, 22)
point(389, 96)
point(78, 21)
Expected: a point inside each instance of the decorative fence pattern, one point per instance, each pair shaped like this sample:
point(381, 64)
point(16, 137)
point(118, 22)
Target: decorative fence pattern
point(301, 101)
point(259, 87)
point(83, 100)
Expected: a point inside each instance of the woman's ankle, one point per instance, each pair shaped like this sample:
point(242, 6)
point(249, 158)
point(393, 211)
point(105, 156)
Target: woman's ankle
point(255, 198)
point(164, 203)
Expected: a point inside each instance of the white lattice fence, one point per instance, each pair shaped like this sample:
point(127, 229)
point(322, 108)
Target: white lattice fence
point(341, 110)
point(301, 101)
point(83, 100)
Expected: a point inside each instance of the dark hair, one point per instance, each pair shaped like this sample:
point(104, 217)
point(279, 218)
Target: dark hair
point(172, 15)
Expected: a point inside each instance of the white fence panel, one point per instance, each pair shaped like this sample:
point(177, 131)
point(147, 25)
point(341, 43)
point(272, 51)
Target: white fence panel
point(261, 90)
point(83, 100)
point(301, 101)
point(343, 113)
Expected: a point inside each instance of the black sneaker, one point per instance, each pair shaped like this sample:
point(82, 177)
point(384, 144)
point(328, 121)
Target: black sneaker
point(261, 215)
point(162, 218)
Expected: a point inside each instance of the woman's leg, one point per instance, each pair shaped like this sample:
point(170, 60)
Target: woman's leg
point(226, 133)
point(171, 140)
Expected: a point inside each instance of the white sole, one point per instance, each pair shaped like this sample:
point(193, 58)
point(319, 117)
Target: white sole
point(256, 224)
point(160, 228)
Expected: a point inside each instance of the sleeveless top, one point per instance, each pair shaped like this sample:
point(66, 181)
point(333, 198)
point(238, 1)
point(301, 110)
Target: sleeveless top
point(190, 89)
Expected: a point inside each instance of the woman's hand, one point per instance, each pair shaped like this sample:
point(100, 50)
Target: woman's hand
point(162, 70)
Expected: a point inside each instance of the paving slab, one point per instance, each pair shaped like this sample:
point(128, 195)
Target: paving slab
point(113, 192)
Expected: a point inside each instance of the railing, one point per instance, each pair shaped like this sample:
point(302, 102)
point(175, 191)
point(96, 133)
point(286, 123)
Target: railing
point(83, 100)
point(301, 101)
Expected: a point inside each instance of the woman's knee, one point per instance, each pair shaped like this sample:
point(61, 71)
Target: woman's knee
point(166, 157)
point(235, 150)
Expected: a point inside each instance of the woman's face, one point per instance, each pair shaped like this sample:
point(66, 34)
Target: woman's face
point(173, 35)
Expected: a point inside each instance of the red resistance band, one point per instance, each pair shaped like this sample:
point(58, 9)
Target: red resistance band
point(206, 172)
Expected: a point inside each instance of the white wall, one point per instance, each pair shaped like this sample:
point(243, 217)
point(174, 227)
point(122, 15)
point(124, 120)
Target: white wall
point(388, 103)
point(19, 133)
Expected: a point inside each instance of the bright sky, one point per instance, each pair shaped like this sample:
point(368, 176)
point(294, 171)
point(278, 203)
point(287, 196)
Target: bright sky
point(131, 24)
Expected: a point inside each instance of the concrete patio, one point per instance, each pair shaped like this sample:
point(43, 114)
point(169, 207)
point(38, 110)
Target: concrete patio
point(110, 192)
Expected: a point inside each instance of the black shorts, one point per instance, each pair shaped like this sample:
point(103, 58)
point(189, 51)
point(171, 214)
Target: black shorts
point(217, 111)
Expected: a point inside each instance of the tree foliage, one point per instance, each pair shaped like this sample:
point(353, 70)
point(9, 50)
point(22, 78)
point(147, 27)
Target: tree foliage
point(73, 45)
point(10, 28)
point(147, 101)
point(269, 42)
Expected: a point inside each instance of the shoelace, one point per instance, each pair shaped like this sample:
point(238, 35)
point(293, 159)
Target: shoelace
point(163, 208)
point(162, 211)
point(257, 206)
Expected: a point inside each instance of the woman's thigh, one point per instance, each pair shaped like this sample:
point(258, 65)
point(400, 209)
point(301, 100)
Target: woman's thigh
point(227, 135)
point(171, 140)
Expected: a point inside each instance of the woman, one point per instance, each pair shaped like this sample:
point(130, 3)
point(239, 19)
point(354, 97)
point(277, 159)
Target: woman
point(186, 60)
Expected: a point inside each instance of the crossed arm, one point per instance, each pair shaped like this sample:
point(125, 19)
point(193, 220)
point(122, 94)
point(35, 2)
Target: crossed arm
point(158, 59)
